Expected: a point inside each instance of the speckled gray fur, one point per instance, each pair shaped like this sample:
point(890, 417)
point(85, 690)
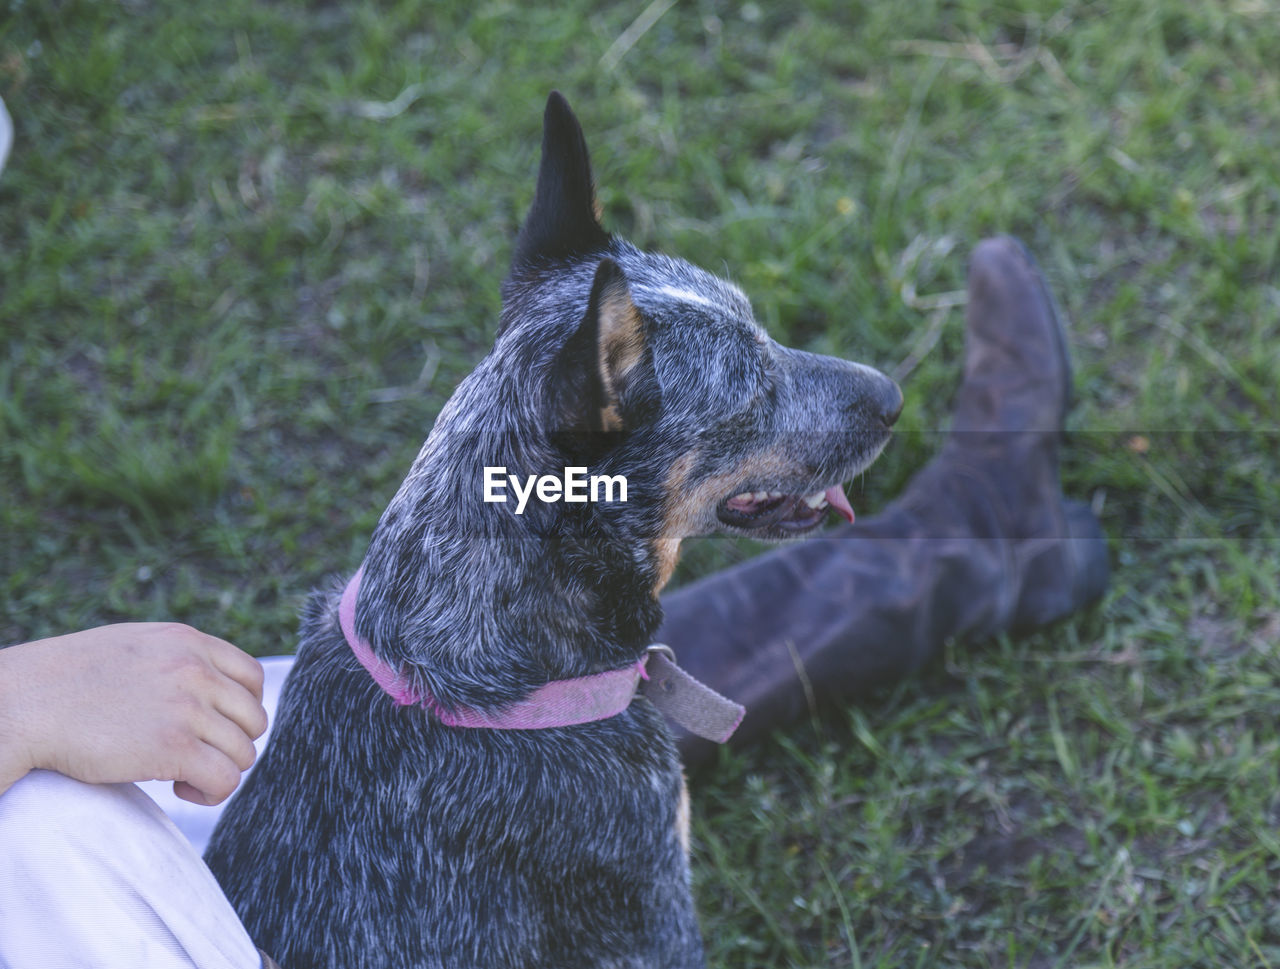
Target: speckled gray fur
point(369, 835)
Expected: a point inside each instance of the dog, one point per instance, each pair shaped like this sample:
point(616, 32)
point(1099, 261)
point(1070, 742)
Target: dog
point(415, 829)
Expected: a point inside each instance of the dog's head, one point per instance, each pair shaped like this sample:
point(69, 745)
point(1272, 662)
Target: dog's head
point(629, 364)
point(667, 375)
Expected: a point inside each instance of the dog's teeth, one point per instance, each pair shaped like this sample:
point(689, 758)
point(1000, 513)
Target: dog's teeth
point(760, 496)
point(774, 494)
point(743, 497)
point(816, 500)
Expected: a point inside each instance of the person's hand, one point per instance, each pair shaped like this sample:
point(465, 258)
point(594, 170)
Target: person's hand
point(131, 702)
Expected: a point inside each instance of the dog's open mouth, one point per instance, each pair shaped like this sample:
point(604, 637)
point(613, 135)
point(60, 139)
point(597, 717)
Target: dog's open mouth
point(791, 514)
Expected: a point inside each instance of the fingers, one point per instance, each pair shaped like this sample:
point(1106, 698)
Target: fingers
point(225, 715)
point(212, 767)
point(209, 774)
point(236, 663)
point(188, 793)
point(226, 737)
point(205, 756)
point(237, 693)
point(241, 707)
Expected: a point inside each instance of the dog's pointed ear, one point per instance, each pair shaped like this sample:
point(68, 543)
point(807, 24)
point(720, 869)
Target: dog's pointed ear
point(562, 220)
point(604, 379)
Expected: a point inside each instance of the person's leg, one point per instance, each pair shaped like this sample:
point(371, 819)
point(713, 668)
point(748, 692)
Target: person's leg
point(981, 541)
point(6, 135)
point(96, 875)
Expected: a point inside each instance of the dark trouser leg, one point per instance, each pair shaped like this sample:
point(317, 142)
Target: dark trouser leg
point(871, 603)
point(981, 541)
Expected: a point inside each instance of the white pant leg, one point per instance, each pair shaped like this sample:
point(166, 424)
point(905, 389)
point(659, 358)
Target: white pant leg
point(196, 821)
point(97, 876)
point(6, 134)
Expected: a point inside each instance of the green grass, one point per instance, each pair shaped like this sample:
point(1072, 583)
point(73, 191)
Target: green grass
point(246, 250)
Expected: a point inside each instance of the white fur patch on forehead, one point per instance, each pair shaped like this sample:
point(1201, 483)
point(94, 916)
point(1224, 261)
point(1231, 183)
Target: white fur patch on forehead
point(682, 295)
point(723, 297)
point(662, 282)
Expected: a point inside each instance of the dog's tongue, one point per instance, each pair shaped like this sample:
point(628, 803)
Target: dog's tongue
point(837, 500)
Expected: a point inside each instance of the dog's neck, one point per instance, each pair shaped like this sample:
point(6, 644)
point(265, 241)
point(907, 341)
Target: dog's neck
point(481, 605)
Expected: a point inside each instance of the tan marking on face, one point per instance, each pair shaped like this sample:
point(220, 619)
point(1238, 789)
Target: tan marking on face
point(667, 546)
point(668, 554)
point(687, 511)
point(610, 419)
point(683, 815)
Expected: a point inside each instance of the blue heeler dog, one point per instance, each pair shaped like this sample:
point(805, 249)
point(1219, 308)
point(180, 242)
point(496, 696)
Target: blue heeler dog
point(381, 832)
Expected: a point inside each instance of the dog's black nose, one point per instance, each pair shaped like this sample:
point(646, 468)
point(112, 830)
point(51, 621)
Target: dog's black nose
point(890, 403)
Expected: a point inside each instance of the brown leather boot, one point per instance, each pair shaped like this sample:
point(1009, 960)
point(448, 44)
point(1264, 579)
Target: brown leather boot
point(981, 540)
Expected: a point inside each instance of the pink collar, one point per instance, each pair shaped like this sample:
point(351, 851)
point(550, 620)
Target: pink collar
point(563, 703)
